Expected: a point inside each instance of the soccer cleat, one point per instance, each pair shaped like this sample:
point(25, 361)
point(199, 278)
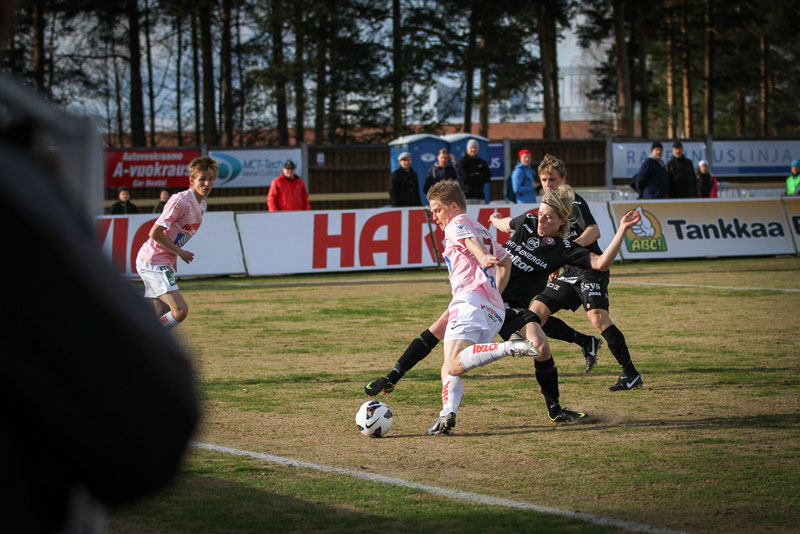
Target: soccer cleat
point(625, 382)
point(515, 336)
point(443, 425)
point(379, 384)
point(522, 347)
point(590, 351)
point(566, 416)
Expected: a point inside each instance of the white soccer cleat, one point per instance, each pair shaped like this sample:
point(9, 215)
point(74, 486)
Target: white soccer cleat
point(521, 348)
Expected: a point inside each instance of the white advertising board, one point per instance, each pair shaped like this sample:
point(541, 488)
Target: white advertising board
point(216, 245)
point(628, 157)
point(706, 228)
point(255, 168)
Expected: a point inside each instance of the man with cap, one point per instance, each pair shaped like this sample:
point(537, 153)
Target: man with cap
point(680, 170)
point(404, 184)
point(288, 192)
point(123, 206)
point(474, 173)
point(651, 180)
point(793, 180)
point(524, 179)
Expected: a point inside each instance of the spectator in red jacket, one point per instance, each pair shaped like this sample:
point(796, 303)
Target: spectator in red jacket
point(288, 192)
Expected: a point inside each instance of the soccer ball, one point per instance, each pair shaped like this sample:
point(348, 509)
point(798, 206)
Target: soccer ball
point(374, 419)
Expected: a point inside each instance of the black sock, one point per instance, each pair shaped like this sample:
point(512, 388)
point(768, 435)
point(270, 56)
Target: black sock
point(547, 376)
point(618, 347)
point(555, 328)
point(415, 353)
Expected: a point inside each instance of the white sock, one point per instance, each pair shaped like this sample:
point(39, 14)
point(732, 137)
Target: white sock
point(452, 391)
point(168, 320)
point(483, 353)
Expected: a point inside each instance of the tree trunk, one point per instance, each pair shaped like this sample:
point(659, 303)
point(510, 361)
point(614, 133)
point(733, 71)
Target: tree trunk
point(138, 137)
point(299, 69)
point(623, 74)
point(469, 69)
point(37, 14)
point(321, 77)
point(688, 129)
point(644, 97)
point(179, 61)
point(708, 69)
point(118, 99)
point(551, 39)
point(764, 83)
point(483, 105)
point(548, 128)
point(397, 70)
point(240, 69)
point(151, 96)
point(198, 128)
point(279, 80)
point(226, 72)
point(671, 126)
point(206, 44)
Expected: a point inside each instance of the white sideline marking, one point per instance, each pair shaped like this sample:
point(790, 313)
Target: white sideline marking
point(442, 492)
point(735, 288)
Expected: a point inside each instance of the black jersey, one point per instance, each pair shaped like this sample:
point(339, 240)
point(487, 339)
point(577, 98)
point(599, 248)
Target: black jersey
point(534, 257)
point(583, 218)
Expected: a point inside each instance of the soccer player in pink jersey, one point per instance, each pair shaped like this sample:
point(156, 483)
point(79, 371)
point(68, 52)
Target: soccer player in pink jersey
point(158, 258)
point(477, 266)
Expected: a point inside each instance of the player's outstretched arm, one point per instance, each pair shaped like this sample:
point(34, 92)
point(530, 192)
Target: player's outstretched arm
point(501, 223)
point(476, 247)
point(158, 233)
point(604, 261)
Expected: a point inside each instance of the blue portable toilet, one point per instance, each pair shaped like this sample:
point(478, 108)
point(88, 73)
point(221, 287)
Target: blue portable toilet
point(458, 147)
point(423, 148)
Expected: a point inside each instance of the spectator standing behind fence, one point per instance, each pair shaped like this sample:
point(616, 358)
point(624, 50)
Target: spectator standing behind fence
point(441, 170)
point(288, 192)
point(706, 184)
point(651, 180)
point(123, 205)
point(680, 170)
point(163, 196)
point(474, 173)
point(793, 180)
point(404, 184)
point(524, 179)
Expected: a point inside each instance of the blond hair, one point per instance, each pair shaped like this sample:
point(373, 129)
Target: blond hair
point(202, 164)
point(561, 202)
point(447, 192)
point(551, 163)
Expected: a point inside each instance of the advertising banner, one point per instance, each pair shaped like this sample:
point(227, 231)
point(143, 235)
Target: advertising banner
point(628, 157)
point(255, 168)
point(753, 158)
point(497, 161)
point(705, 228)
point(148, 168)
point(792, 207)
point(349, 240)
point(216, 245)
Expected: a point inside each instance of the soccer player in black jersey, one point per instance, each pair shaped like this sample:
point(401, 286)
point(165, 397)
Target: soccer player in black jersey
point(537, 250)
point(578, 286)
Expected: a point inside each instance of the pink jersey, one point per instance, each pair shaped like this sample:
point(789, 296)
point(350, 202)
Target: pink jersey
point(181, 217)
point(466, 274)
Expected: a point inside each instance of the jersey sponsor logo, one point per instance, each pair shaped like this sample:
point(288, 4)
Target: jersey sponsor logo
point(567, 243)
point(493, 315)
point(590, 286)
point(532, 243)
point(181, 239)
point(485, 347)
point(549, 241)
point(520, 264)
point(553, 286)
point(646, 235)
point(177, 205)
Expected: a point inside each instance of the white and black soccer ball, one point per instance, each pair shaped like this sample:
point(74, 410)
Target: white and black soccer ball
point(374, 419)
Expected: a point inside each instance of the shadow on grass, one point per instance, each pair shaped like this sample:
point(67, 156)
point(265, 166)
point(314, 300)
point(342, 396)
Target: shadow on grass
point(601, 422)
point(257, 503)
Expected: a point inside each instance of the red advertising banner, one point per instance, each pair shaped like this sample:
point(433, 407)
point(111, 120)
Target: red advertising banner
point(148, 168)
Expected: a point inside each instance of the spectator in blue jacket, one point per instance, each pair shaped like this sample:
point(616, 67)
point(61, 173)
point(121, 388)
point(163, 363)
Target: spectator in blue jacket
point(524, 179)
point(652, 180)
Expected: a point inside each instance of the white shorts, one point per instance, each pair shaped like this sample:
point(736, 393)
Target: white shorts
point(158, 279)
point(474, 318)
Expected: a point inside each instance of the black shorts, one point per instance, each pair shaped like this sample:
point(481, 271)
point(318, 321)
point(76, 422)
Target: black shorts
point(569, 292)
point(516, 317)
